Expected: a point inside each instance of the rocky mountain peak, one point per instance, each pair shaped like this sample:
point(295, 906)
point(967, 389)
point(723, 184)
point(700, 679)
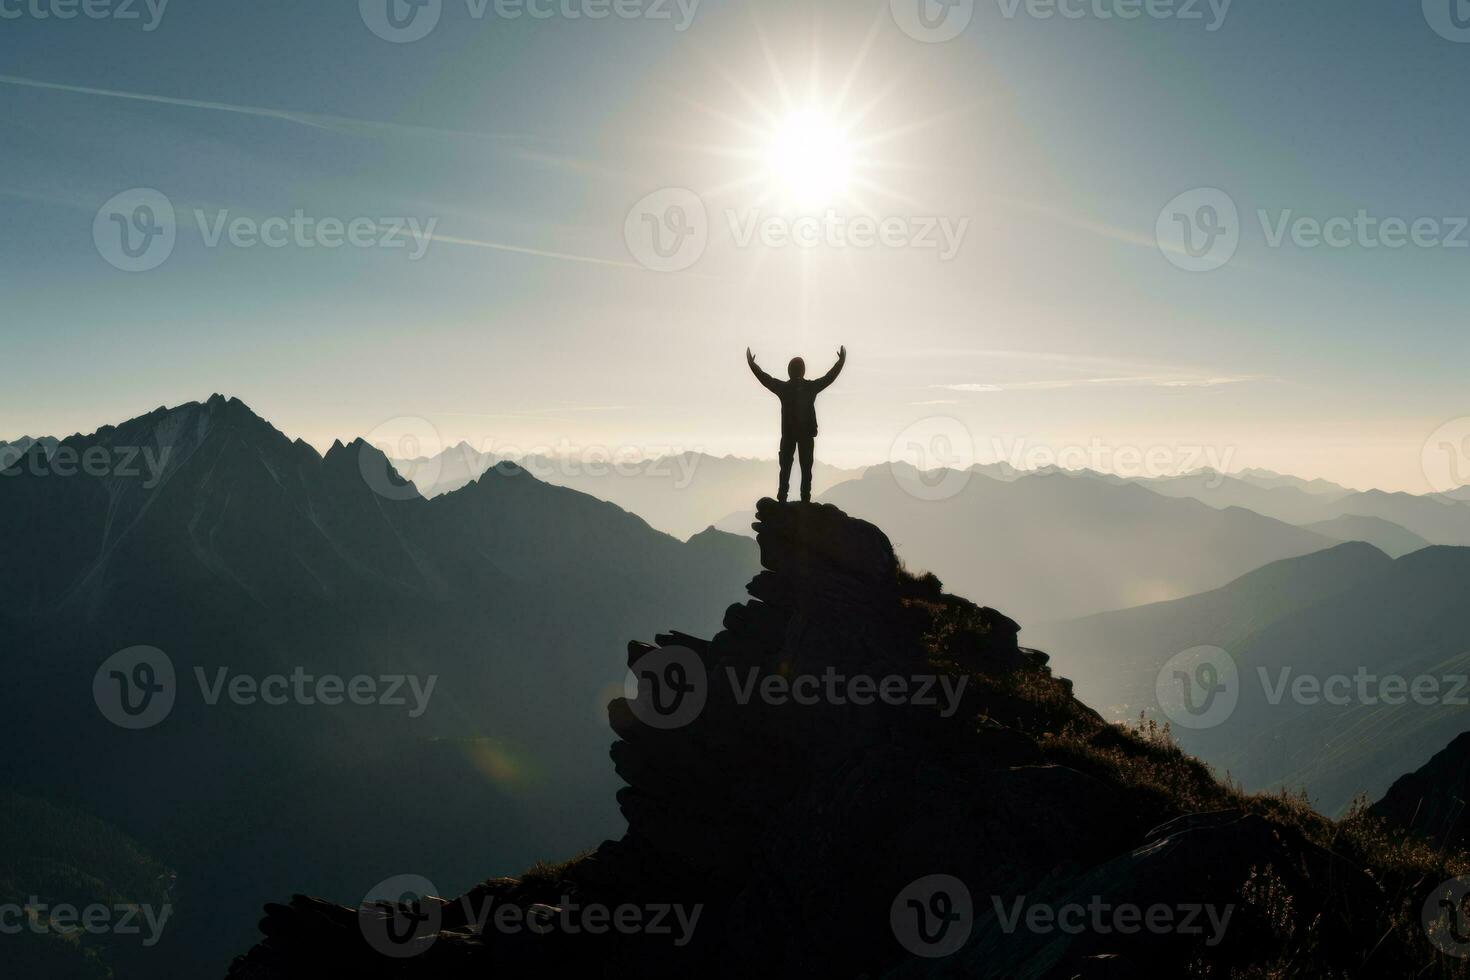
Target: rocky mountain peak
point(864, 775)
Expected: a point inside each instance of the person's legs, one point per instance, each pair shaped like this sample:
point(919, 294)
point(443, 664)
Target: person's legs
point(788, 452)
point(808, 448)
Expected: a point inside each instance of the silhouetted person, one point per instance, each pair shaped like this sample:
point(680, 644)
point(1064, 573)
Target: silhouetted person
point(798, 416)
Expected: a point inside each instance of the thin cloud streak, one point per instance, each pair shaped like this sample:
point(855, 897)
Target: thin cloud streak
point(1140, 382)
point(549, 254)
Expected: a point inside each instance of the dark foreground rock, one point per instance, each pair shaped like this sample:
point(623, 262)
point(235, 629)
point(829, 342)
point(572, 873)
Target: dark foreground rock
point(864, 776)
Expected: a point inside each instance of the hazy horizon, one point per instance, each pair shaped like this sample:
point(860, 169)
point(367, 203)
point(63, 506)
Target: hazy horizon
point(412, 437)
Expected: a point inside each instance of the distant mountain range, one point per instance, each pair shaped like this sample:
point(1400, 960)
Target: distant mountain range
point(204, 532)
point(1058, 545)
point(1386, 536)
point(680, 494)
point(1435, 518)
point(1319, 643)
point(686, 493)
point(11, 451)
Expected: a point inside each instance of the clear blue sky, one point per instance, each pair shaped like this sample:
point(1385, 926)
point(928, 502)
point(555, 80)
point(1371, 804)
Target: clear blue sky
point(528, 320)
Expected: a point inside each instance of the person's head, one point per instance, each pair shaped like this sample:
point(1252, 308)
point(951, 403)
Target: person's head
point(796, 370)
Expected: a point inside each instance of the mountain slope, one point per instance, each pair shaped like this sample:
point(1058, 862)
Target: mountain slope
point(1354, 737)
point(1059, 546)
point(680, 494)
point(1299, 635)
point(1387, 537)
point(1433, 518)
point(1432, 800)
point(1284, 501)
point(1436, 519)
point(1270, 478)
point(11, 451)
point(1115, 657)
point(900, 837)
point(244, 552)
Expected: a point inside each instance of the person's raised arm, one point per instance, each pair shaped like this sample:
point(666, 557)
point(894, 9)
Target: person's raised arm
point(831, 375)
point(760, 375)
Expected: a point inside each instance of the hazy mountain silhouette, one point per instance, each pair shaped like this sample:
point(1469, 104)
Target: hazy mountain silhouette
point(255, 554)
point(1407, 622)
point(1325, 616)
point(1433, 518)
point(1270, 478)
point(1283, 501)
point(1114, 657)
point(1386, 536)
point(11, 451)
point(1054, 546)
point(897, 839)
point(680, 494)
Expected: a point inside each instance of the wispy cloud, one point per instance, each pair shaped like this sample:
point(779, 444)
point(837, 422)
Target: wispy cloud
point(537, 252)
point(526, 147)
point(1200, 381)
point(315, 120)
point(519, 144)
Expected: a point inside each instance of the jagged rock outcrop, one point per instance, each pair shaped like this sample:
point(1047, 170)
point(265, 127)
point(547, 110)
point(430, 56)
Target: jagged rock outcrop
point(912, 835)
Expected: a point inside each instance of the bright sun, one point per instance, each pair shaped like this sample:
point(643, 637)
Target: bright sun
point(810, 158)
